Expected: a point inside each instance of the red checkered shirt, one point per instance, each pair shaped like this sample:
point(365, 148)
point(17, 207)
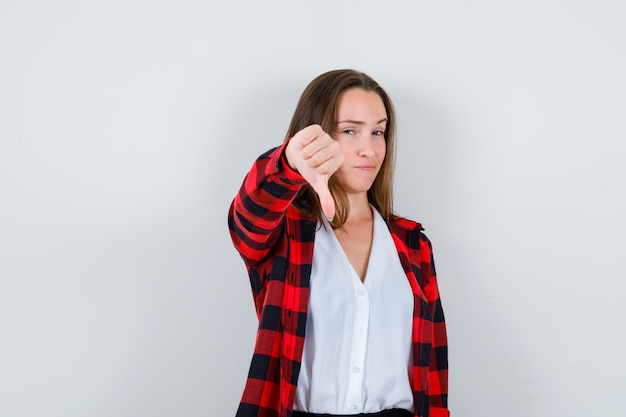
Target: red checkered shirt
point(276, 243)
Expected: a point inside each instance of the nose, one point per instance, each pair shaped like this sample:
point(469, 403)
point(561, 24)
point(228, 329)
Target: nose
point(366, 150)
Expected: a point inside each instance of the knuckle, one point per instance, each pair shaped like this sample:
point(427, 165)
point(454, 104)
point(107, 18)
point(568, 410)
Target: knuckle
point(315, 160)
point(322, 170)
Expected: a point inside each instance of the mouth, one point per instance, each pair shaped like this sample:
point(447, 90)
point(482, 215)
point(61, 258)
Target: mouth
point(366, 168)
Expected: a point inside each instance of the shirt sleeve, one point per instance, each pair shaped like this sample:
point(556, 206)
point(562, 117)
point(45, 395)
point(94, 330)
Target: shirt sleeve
point(438, 373)
point(257, 213)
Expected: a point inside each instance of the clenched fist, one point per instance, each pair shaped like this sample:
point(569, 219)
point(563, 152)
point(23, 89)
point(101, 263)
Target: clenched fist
point(316, 156)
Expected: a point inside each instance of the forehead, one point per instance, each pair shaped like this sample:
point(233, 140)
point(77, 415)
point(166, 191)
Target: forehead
point(359, 104)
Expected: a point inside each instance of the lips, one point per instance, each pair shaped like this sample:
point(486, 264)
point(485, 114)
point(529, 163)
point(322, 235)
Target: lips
point(366, 168)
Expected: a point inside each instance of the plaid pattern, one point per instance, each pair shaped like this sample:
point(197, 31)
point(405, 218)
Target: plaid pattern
point(276, 244)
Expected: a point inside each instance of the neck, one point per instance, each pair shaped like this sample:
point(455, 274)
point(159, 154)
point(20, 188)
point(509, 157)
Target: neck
point(359, 208)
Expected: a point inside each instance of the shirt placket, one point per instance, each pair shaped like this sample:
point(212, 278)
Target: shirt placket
point(355, 373)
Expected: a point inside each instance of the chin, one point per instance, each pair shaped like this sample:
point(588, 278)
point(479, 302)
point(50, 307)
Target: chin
point(356, 185)
point(358, 188)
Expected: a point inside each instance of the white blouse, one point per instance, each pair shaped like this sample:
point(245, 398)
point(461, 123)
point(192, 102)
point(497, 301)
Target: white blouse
point(357, 350)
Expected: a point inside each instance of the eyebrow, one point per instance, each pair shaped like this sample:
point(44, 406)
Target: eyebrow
point(356, 122)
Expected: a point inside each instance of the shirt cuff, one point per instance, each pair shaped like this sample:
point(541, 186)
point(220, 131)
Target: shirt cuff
point(280, 165)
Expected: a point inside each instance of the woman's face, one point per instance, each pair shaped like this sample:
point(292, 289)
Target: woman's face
point(361, 120)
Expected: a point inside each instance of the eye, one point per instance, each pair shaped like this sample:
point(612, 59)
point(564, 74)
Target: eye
point(349, 131)
point(378, 133)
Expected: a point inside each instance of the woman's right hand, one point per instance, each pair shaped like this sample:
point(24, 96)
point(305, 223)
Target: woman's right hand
point(316, 156)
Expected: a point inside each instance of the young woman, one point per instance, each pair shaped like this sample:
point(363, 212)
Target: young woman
point(350, 320)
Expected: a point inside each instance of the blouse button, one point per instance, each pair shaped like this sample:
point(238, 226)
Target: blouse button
point(361, 292)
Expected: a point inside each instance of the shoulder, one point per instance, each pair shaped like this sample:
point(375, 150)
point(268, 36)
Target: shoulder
point(411, 232)
point(268, 154)
point(407, 224)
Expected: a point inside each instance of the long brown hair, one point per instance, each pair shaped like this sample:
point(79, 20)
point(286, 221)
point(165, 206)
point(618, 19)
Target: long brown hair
point(317, 105)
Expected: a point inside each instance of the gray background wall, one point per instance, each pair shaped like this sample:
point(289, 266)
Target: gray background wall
point(127, 127)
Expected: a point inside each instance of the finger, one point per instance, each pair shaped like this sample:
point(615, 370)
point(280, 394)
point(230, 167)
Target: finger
point(321, 161)
point(329, 166)
point(326, 198)
point(320, 143)
point(308, 134)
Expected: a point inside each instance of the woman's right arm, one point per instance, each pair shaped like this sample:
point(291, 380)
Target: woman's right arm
point(272, 184)
point(256, 213)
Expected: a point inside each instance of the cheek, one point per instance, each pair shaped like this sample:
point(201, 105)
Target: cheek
point(344, 146)
point(382, 150)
